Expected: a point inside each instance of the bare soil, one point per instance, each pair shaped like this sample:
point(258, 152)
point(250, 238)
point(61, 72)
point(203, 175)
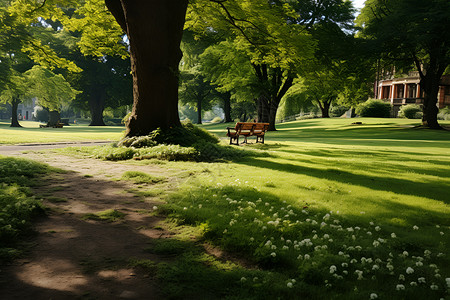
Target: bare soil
point(72, 257)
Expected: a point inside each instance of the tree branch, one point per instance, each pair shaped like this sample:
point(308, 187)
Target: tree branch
point(233, 21)
point(116, 9)
point(39, 7)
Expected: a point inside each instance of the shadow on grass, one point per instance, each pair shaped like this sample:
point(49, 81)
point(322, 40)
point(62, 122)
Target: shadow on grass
point(385, 161)
point(434, 189)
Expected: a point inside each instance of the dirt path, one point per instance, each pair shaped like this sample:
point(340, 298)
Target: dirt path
point(77, 258)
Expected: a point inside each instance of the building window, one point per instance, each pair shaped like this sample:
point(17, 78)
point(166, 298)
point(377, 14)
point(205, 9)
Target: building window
point(412, 90)
point(447, 95)
point(399, 91)
point(385, 91)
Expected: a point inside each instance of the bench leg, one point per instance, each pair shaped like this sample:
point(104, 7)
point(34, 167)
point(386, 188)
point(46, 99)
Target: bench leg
point(236, 138)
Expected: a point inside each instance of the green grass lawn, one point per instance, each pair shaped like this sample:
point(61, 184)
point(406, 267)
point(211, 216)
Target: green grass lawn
point(325, 210)
point(334, 211)
point(31, 133)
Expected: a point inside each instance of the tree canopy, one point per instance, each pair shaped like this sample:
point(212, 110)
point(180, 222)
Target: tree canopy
point(412, 34)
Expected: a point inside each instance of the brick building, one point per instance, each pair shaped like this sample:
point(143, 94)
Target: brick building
point(406, 90)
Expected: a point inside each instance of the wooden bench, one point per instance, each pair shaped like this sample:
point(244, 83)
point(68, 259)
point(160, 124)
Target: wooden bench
point(247, 129)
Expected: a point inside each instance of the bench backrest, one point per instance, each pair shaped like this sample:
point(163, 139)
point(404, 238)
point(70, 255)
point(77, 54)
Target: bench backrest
point(244, 128)
point(251, 127)
point(260, 128)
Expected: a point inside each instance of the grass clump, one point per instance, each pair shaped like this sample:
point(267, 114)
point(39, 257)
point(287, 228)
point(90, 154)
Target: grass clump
point(186, 136)
point(110, 215)
point(167, 152)
point(17, 205)
point(111, 152)
point(140, 177)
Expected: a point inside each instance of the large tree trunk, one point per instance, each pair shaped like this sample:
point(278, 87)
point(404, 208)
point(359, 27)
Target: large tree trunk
point(154, 29)
point(227, 108)
point(97, 106)
point(263, 108)
point(14, 120)
point(430, 86)
point(273, 115)
point(325, 108)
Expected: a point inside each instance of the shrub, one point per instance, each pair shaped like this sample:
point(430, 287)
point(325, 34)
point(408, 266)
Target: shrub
point(444, 113)
point(337, 111)
point(374, 108)
point(40, 114)
point(216, 120)
point(410, 111)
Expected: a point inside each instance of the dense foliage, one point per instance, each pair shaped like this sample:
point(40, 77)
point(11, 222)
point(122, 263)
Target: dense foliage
point(410, 111)
point(17, 205)
point(374, 108)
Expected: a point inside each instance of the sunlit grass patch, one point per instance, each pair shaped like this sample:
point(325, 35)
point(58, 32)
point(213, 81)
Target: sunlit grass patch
point(141, 177)
point(31, 133)
point(110, 215)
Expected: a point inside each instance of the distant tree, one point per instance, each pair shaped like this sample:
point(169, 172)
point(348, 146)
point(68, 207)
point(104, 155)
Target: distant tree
point(196, 92)
point(412, 34)
point(14, 92)
point(51, 90)
point(105, 82)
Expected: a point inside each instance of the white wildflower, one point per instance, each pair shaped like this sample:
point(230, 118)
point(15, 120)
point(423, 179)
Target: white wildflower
point(360, 274)
point(409, 270)
point(393, 235)
point(373, 296)
point(333, 269)
point(273, 254)
point(400, 287)
point(434, 287)
point(421, 279)
point(415, 227)
point(401, 277)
